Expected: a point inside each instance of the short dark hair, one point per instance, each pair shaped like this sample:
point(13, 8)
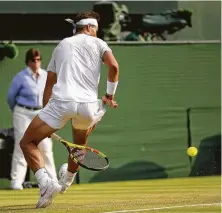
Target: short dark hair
point(84, 15)
point(30, 54)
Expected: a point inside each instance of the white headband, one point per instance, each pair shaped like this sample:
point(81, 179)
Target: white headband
point(87, 21)
point(83, 22)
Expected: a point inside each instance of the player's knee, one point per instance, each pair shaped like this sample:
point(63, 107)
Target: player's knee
point(22, 144)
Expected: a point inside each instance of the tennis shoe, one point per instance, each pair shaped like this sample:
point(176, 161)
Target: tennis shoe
point(48, 193)
point(63, 181)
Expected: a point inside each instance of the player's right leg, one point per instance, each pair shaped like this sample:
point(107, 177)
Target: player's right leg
point(68, 171)
point(83, 125)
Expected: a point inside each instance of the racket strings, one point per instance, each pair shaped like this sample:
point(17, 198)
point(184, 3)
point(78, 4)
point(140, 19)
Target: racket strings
point(89, 159)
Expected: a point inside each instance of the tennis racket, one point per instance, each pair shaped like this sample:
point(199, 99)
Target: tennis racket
point(85, 156)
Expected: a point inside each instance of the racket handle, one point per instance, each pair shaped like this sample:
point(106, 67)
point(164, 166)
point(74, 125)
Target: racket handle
point(56, 137)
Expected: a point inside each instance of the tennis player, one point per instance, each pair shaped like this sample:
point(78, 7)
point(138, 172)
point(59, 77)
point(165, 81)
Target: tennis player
point(71, 92)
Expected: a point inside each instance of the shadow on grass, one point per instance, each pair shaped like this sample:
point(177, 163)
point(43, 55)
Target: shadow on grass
point(140, 170)
point(12, 208)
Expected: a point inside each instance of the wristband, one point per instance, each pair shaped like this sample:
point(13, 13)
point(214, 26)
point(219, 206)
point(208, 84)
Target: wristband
point(111, 87)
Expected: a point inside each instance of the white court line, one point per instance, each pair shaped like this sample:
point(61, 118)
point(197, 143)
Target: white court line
point(166, 207)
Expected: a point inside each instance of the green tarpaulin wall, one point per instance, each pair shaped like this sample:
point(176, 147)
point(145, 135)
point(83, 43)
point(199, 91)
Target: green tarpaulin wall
point(146, 137)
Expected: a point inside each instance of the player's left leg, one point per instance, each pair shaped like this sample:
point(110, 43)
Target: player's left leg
point(36, 132)
point(46, 149)
point(43, 125)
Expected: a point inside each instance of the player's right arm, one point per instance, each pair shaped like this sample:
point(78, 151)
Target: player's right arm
point(113, 66)
point(112, 78)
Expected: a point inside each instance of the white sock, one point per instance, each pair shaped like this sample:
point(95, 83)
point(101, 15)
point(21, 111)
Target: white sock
point(41, 177)
point(70, 177)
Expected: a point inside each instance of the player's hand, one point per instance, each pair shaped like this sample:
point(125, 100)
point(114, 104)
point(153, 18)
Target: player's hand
point(109, 100)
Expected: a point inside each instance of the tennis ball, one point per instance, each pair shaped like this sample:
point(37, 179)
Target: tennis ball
point(192, 151)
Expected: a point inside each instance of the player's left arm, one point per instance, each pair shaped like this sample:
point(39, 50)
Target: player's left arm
point(52, 75)
point(51, 80)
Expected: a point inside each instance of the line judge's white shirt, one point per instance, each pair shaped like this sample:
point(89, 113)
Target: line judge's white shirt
point(77, 62)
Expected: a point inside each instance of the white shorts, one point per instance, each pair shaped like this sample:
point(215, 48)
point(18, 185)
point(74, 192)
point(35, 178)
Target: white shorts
point(84, 115)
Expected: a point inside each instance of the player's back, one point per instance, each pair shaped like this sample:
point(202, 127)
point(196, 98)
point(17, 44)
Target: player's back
point(78, 62)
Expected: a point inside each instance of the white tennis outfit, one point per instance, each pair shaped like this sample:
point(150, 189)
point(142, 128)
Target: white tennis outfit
point(77, 62)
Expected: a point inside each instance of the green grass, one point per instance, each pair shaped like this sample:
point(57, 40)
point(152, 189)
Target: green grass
point(129, 195)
